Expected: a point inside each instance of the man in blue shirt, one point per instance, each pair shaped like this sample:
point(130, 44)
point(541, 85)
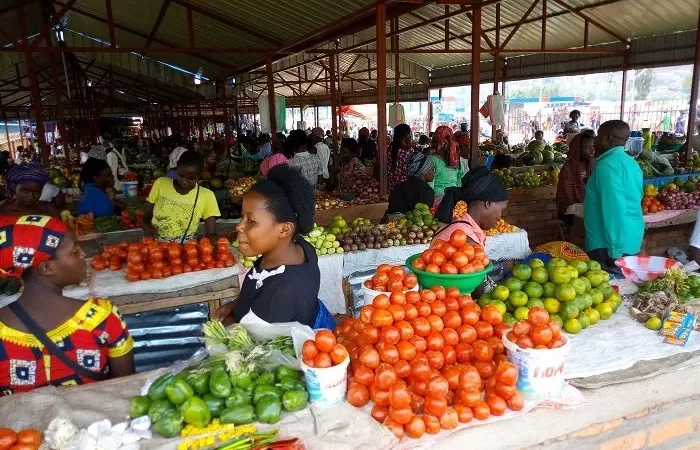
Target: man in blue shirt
point(612, 209)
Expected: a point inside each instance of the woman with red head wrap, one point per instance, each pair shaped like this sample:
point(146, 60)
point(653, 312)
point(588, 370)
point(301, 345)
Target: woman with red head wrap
point(445, 156)
point(46, 338)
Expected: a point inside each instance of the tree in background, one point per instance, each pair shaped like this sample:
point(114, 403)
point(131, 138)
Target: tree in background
point(643, 80)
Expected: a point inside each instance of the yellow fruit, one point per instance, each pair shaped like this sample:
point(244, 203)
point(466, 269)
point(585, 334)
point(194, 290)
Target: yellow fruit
point(552, 305)
point(605, 309)
point(654, 323)
point(572, 326)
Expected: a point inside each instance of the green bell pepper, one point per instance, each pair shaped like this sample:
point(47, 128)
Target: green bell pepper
point(196, 412)
point(157, 389)
point(290, 384)
point(138, 406)
point(268, 409)
point(238, 415)
point(282, 372)
point(178, 391)
point(241, 380)
point(238, 397)
point(219, 384)
point(159, 408)
point(266, 377)
point(199, 381)
point(169, 425)
point(264, 390)
point(216, 405)
point(295, 400)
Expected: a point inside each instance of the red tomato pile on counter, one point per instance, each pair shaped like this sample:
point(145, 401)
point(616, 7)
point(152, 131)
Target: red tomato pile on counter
point(150, 259)
point(27, 439)
point(429, 360)
point(391, 278)
point(537, 331)
point(456, 256)
point(323, 351)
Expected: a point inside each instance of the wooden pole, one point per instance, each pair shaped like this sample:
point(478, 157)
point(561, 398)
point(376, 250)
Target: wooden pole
point(380, 27)
point(271, 98)
point(475, 80)
point(693, 114)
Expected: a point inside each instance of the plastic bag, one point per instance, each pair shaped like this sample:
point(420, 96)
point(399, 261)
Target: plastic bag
point(268, 331)
point(198, 356)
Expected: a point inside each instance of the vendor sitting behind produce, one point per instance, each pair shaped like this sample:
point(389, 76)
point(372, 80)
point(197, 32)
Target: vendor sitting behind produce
point(87, 341)
point(445, 157)
point(24, 184)
point(175, 207)
point(571, 188)
point(486, 198)
point(415, 189)
point(351, 169)
point(283, 284)
point(612, 209)
point(98, 186)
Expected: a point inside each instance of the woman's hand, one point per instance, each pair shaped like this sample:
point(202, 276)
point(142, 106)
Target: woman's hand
point(224, 313)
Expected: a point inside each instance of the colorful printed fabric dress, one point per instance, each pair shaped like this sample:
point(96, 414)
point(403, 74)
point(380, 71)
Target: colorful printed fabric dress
point(94, 334)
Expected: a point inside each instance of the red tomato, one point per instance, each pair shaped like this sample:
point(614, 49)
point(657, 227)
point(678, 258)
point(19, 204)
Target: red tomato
point(397, 298)
point(415, 428)
point(419, 343)
point(458, 238)
point(497, 406)
point(381, 318)
point(464, 413)
point(405, 330)
point(338, 354)
point(467, 334)
point(436, 359)
point(497, 345)
point(491, 315)
point(470, 380)
point(521, 328)
point(451, 374)
point(516, 402)
point(410, 312)
point(325, 340)
point(370, 334)
point(460, 259)
point(399, 396)
point(483, 330)
point(432, 424)
point(381, 301)
point(468, 398)
point(406, 350)
point(363, 375)
point(424, 309)
point(380, 413)
point(538, 316)
point(412, 297)
point(450, 336)
point(451, 319)
point(435, 341)
point(379, 396)
point(435, 405)
point(358, 396)
point(395, 427)
point(389, 335)
point(541, 334)
point(485, 368)
point(384, 376)
point(323, 360)
point(420, 370)
point(421, 326)
point(449, 420)
point(450, 355)
point(482, 351)
point(438, 386)
point(402, 369)
point(481, 410)
point(463, 352)
point(438, 259)
point(470, 314)
point(438, 308)
point(436, 323)
point(370, 358)
point(505, 391)
point(389, 354)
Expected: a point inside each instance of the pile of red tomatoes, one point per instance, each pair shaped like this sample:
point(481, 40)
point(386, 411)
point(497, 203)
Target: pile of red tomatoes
point(150, 259)
point(429, 360)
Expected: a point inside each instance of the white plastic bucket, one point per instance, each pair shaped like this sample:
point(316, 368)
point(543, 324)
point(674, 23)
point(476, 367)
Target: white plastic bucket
point(540, 371)
point(369, 294)
point(130, 188)
point(327, 386)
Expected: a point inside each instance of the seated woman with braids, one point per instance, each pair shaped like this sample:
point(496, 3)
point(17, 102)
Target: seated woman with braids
point(45, 337)
point(283, 284)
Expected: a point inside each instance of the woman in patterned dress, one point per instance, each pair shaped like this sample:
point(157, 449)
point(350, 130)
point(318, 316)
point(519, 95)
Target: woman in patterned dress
point(88, 341)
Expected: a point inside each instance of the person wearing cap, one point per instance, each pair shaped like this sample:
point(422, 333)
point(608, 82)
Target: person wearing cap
point(322, 150)
point(415, 189)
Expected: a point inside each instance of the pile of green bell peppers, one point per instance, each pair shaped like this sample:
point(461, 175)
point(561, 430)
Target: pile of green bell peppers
point(196, 396)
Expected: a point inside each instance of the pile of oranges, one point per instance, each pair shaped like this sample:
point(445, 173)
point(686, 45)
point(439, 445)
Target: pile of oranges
point(27, 439)
point(150, 259)
point(456, 256)
point(651, 205)
point(390, 278)
point(429, 360)
point(501, 227)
